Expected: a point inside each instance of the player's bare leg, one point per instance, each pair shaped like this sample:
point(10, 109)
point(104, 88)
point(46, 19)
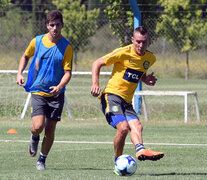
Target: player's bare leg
point(136, 131)
point(38, 123)
point(36, 128)
point(119, 140)
point(136, 137)
point(49, 136)
point(47, 142)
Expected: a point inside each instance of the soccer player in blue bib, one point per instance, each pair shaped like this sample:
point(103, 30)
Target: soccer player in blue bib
point(130, 64)
point(48, 74)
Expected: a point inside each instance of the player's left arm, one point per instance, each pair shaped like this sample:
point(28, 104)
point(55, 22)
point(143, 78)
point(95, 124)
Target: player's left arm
point(149, 79)
point(65, 79)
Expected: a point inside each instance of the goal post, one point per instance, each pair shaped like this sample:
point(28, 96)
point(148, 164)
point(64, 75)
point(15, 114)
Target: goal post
point(185, 94)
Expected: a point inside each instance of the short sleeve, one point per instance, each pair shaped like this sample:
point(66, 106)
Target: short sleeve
point(31, 48)
point(67, 59)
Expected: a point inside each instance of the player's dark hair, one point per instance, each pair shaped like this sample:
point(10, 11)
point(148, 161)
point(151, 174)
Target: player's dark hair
point(141, 29)
point(53, 15)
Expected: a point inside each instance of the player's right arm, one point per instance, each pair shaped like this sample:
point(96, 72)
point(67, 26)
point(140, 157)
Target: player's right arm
point(96, 67)
point(24, 61)
point(22, 65)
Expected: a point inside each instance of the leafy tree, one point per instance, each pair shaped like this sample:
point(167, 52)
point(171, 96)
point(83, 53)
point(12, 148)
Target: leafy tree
point(25, 5)
point(91, 4)
point(40, 9)
point(150, 15)
point(120, 18)
point(79, 24)
point(121, 21)
point(36, 12)
point(4, 3)
point(182, 24)
point(16, 29)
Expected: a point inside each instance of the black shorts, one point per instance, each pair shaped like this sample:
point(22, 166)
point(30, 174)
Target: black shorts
point(116, 109)
point(50, 107)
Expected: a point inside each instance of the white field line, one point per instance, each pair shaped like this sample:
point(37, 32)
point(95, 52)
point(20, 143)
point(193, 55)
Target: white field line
point(99, 142)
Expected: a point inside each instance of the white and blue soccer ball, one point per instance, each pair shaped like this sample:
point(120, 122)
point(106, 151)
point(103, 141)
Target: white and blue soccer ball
point(125, 165)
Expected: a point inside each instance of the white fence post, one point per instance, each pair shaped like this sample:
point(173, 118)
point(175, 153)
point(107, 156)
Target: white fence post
point(26, 105)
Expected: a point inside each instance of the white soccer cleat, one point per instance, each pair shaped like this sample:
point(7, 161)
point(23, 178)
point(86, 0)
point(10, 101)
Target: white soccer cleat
point(40, 166)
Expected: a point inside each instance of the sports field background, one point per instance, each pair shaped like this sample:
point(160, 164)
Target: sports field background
point(83, 146)
point(83, 106)
point(84, 150)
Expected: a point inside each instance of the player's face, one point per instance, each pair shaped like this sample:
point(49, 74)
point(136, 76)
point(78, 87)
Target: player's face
point(55, 28)
point(140, 43)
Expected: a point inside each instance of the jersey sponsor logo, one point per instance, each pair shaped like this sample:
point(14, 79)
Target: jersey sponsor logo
point(132, 75)
point(146, 65)
point(133, 61)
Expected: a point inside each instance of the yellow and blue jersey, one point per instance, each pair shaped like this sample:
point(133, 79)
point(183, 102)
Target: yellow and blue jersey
point(128, 70)
point(42, 73)
point(68, 56)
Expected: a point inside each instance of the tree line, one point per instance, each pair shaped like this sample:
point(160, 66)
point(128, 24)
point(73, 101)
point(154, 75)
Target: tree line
point(186, 18)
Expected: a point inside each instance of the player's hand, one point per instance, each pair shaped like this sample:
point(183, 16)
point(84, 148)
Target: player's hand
point(150, 79)
point(20, 80)
point(55, 91)
point(95, 90)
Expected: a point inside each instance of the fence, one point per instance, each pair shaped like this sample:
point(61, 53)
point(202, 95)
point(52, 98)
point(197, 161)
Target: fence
point(83, 106)
point(15, 37)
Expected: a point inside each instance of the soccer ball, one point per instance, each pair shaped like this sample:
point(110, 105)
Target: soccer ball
point(125, 165)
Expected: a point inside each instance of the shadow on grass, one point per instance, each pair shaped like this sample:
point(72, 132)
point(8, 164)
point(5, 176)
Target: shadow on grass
point(81, 169)
point(175, 174)
point(158, 174)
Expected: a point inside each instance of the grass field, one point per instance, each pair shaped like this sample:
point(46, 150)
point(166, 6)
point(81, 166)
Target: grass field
point(83, 147)
point(84, 150)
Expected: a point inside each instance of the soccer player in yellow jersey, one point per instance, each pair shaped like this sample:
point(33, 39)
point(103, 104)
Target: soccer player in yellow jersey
point(130, 64)
point(48, 74)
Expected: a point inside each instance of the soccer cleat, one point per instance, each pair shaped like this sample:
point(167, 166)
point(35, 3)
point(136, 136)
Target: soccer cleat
point(147, 154)
point(40, 165)
point(33, 146)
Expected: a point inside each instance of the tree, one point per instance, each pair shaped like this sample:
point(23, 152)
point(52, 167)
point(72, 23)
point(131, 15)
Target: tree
point(121, 21)
point(15, 30)
point(79, 24)
point(4, 3)
point(182, 24)
point(39, 11)
point(120, 18)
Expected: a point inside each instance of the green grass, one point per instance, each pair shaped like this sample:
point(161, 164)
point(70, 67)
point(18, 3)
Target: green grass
point(95, 161)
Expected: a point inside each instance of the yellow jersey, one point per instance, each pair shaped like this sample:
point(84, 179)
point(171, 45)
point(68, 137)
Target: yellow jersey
point(128, 70)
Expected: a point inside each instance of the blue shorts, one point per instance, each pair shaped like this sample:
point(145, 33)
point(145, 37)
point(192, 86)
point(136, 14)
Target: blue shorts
point(116, 109)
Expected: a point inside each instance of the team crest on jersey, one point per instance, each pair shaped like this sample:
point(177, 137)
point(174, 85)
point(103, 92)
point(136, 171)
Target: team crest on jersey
point(115, 108)
point(146, 65)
